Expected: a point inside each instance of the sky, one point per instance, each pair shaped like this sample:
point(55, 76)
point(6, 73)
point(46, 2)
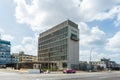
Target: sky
point(21, 22)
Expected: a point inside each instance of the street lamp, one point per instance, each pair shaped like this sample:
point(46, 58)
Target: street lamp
point(90, 59)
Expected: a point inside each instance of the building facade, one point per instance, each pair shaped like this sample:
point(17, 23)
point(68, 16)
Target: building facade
point(60, 45)
point(27, 58)
point(14, 58)
point(5, 57)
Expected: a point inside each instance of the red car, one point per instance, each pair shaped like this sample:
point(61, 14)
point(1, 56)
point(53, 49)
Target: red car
point(69, 71)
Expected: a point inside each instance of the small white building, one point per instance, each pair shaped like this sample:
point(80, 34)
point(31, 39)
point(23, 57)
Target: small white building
point(102, 64)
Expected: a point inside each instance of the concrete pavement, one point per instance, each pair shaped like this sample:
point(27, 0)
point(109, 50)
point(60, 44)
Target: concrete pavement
point(17, 75)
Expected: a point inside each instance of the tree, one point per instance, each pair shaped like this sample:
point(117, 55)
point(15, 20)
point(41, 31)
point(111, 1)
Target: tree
point(105, 60)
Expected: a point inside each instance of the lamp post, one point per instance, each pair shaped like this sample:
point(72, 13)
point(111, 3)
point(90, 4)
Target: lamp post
point(90, 59)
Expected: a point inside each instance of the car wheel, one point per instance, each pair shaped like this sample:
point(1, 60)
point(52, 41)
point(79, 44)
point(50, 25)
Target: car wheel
point(64, 72)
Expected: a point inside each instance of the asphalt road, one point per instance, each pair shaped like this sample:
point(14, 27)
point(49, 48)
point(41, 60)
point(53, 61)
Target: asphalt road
point(8, 75)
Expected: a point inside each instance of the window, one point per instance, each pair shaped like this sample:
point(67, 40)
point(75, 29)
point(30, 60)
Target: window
point(74, 37)
point(64, 57)
point(74, 31)
point(64, 65)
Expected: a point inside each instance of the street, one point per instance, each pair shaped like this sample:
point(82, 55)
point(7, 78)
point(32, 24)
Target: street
point(11, 75)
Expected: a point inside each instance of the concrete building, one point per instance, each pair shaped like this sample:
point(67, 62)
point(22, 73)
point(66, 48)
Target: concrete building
point(22, 60)
point(101, 64)
point(15, 58)
point(27, 58)
point(60, 45)
point(5, 52)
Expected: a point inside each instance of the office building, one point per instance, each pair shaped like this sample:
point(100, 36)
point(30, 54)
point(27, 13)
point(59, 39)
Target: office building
point(5, 57)
point(60, 45)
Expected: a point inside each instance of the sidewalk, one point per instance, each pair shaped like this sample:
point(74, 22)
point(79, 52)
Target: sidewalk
point(14, 70)
point(26, 71)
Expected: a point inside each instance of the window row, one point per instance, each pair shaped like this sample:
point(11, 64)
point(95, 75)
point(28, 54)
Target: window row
point(56, 53)
point(54, 44)
point(56, 48)
point(56, 33)
point(56, 38)
point(57, 58)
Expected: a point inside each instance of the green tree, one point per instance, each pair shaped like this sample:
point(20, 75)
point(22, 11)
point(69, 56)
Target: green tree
point(105, 60)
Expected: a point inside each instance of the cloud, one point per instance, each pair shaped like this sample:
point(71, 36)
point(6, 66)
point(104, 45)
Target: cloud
point(97, 10)
point(28, 45)
point(91, 36)
point(17, 48)
point(7, 37)
point(117, 22)
point(4, 36)
point(115, 57)
point(96, 55)
point(113, 43)
point(42, 14)
point(28, 40)
point(110, 14)
point(1, 30)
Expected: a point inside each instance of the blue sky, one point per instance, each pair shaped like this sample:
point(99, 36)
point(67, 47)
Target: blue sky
point(99, 22)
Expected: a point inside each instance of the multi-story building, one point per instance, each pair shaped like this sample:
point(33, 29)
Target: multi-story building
point(22, 60)
point(60, 45)
point(27, 58)
point(5, 52)
point(15, 58)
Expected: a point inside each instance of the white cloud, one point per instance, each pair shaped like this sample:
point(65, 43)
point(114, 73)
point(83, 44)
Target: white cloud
point(95, 56)
point(17, 48)
point(113, 43)
point(7, 37)
point(117, 22)
point(42, 14)
point(4, 36)
point(28, 40)
point(113, 12)
point(28, 45)
point(91, 37)
point(115, 57)
point(1, 30)
point(98, 9)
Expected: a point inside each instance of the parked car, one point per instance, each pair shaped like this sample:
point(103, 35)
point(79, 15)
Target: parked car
point(69, 71)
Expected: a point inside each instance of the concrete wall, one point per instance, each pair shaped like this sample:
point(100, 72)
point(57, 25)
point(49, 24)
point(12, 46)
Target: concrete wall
point(73, 50)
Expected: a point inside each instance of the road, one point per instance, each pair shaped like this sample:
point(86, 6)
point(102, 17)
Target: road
point(8, 75)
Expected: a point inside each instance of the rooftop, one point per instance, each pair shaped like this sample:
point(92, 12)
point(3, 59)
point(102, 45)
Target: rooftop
point(67, 22)
point(4, 42)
